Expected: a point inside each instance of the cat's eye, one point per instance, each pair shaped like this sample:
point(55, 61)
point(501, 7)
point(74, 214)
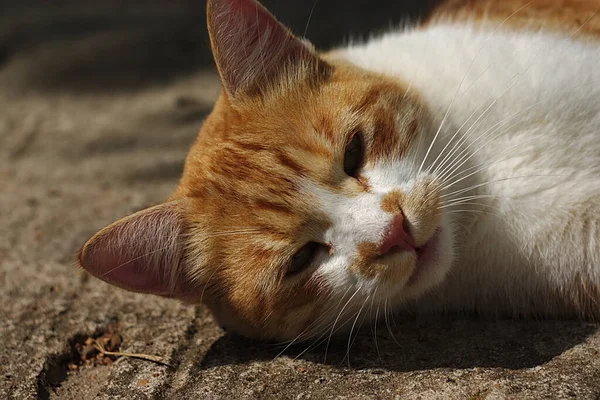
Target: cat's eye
point(303, 258)
point(353, 157)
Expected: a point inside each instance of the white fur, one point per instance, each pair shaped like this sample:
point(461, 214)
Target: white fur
point(541, 232)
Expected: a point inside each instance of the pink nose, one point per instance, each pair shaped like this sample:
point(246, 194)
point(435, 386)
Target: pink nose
point(397, 237)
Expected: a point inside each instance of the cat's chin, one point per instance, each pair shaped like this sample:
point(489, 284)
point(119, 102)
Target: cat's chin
point(427, 257)
point(432, 264)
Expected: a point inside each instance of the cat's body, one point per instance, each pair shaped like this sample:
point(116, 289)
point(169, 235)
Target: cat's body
point(537, 235)
point(451, 167)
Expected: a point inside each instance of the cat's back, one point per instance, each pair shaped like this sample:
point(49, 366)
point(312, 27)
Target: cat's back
point(548, 15)
point(501, 33)
point(457, 47)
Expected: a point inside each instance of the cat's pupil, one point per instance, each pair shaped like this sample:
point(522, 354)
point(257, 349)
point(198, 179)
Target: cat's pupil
point(353, 156)
point(303, 258)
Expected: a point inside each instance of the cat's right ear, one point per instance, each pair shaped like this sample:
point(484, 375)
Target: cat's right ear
point(251, 48)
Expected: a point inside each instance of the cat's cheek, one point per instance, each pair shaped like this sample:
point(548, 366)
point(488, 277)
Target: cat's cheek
point(335, 273)
point(386, 177)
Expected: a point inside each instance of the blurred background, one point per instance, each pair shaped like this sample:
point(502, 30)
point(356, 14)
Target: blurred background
point(115, 44)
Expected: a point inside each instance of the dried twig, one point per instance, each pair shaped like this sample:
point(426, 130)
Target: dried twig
point(147, 357)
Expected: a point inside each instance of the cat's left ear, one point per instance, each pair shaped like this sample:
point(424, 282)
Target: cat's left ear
point(144, 252)
point(251, 48)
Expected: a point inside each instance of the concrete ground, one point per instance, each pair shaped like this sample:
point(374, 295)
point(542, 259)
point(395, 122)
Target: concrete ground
point(97, 109)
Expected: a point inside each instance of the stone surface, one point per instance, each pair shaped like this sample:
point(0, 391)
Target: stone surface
point(95, 120)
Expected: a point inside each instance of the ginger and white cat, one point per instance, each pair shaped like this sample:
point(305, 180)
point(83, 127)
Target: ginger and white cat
point(449, 167)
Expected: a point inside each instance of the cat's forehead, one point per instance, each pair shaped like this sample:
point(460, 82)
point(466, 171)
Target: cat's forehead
point(294, 110)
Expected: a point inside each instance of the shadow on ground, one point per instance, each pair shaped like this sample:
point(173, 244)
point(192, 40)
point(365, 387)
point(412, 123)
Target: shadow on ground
point(420, 345)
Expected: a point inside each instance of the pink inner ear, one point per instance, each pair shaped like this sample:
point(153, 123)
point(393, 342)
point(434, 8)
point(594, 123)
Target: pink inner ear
point(241, 6)
point(141, 253)
point(250, 45)
point(125, 270)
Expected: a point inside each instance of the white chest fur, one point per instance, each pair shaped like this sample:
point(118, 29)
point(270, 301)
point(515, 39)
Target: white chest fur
point(529, 103)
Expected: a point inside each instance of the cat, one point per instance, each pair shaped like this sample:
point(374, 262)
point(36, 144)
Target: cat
point(453, 166)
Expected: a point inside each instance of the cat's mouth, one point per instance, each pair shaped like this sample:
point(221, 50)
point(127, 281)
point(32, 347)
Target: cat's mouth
point(427, 255)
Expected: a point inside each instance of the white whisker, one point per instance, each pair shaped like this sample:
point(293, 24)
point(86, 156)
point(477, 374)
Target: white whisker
point(463, 79)
point(337, 319)
point(484, 113)
point(353, 326)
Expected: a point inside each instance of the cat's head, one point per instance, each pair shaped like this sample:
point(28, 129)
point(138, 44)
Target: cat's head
point(302, 203)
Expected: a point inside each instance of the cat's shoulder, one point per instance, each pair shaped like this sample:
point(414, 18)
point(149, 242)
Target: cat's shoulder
point(569, 16)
